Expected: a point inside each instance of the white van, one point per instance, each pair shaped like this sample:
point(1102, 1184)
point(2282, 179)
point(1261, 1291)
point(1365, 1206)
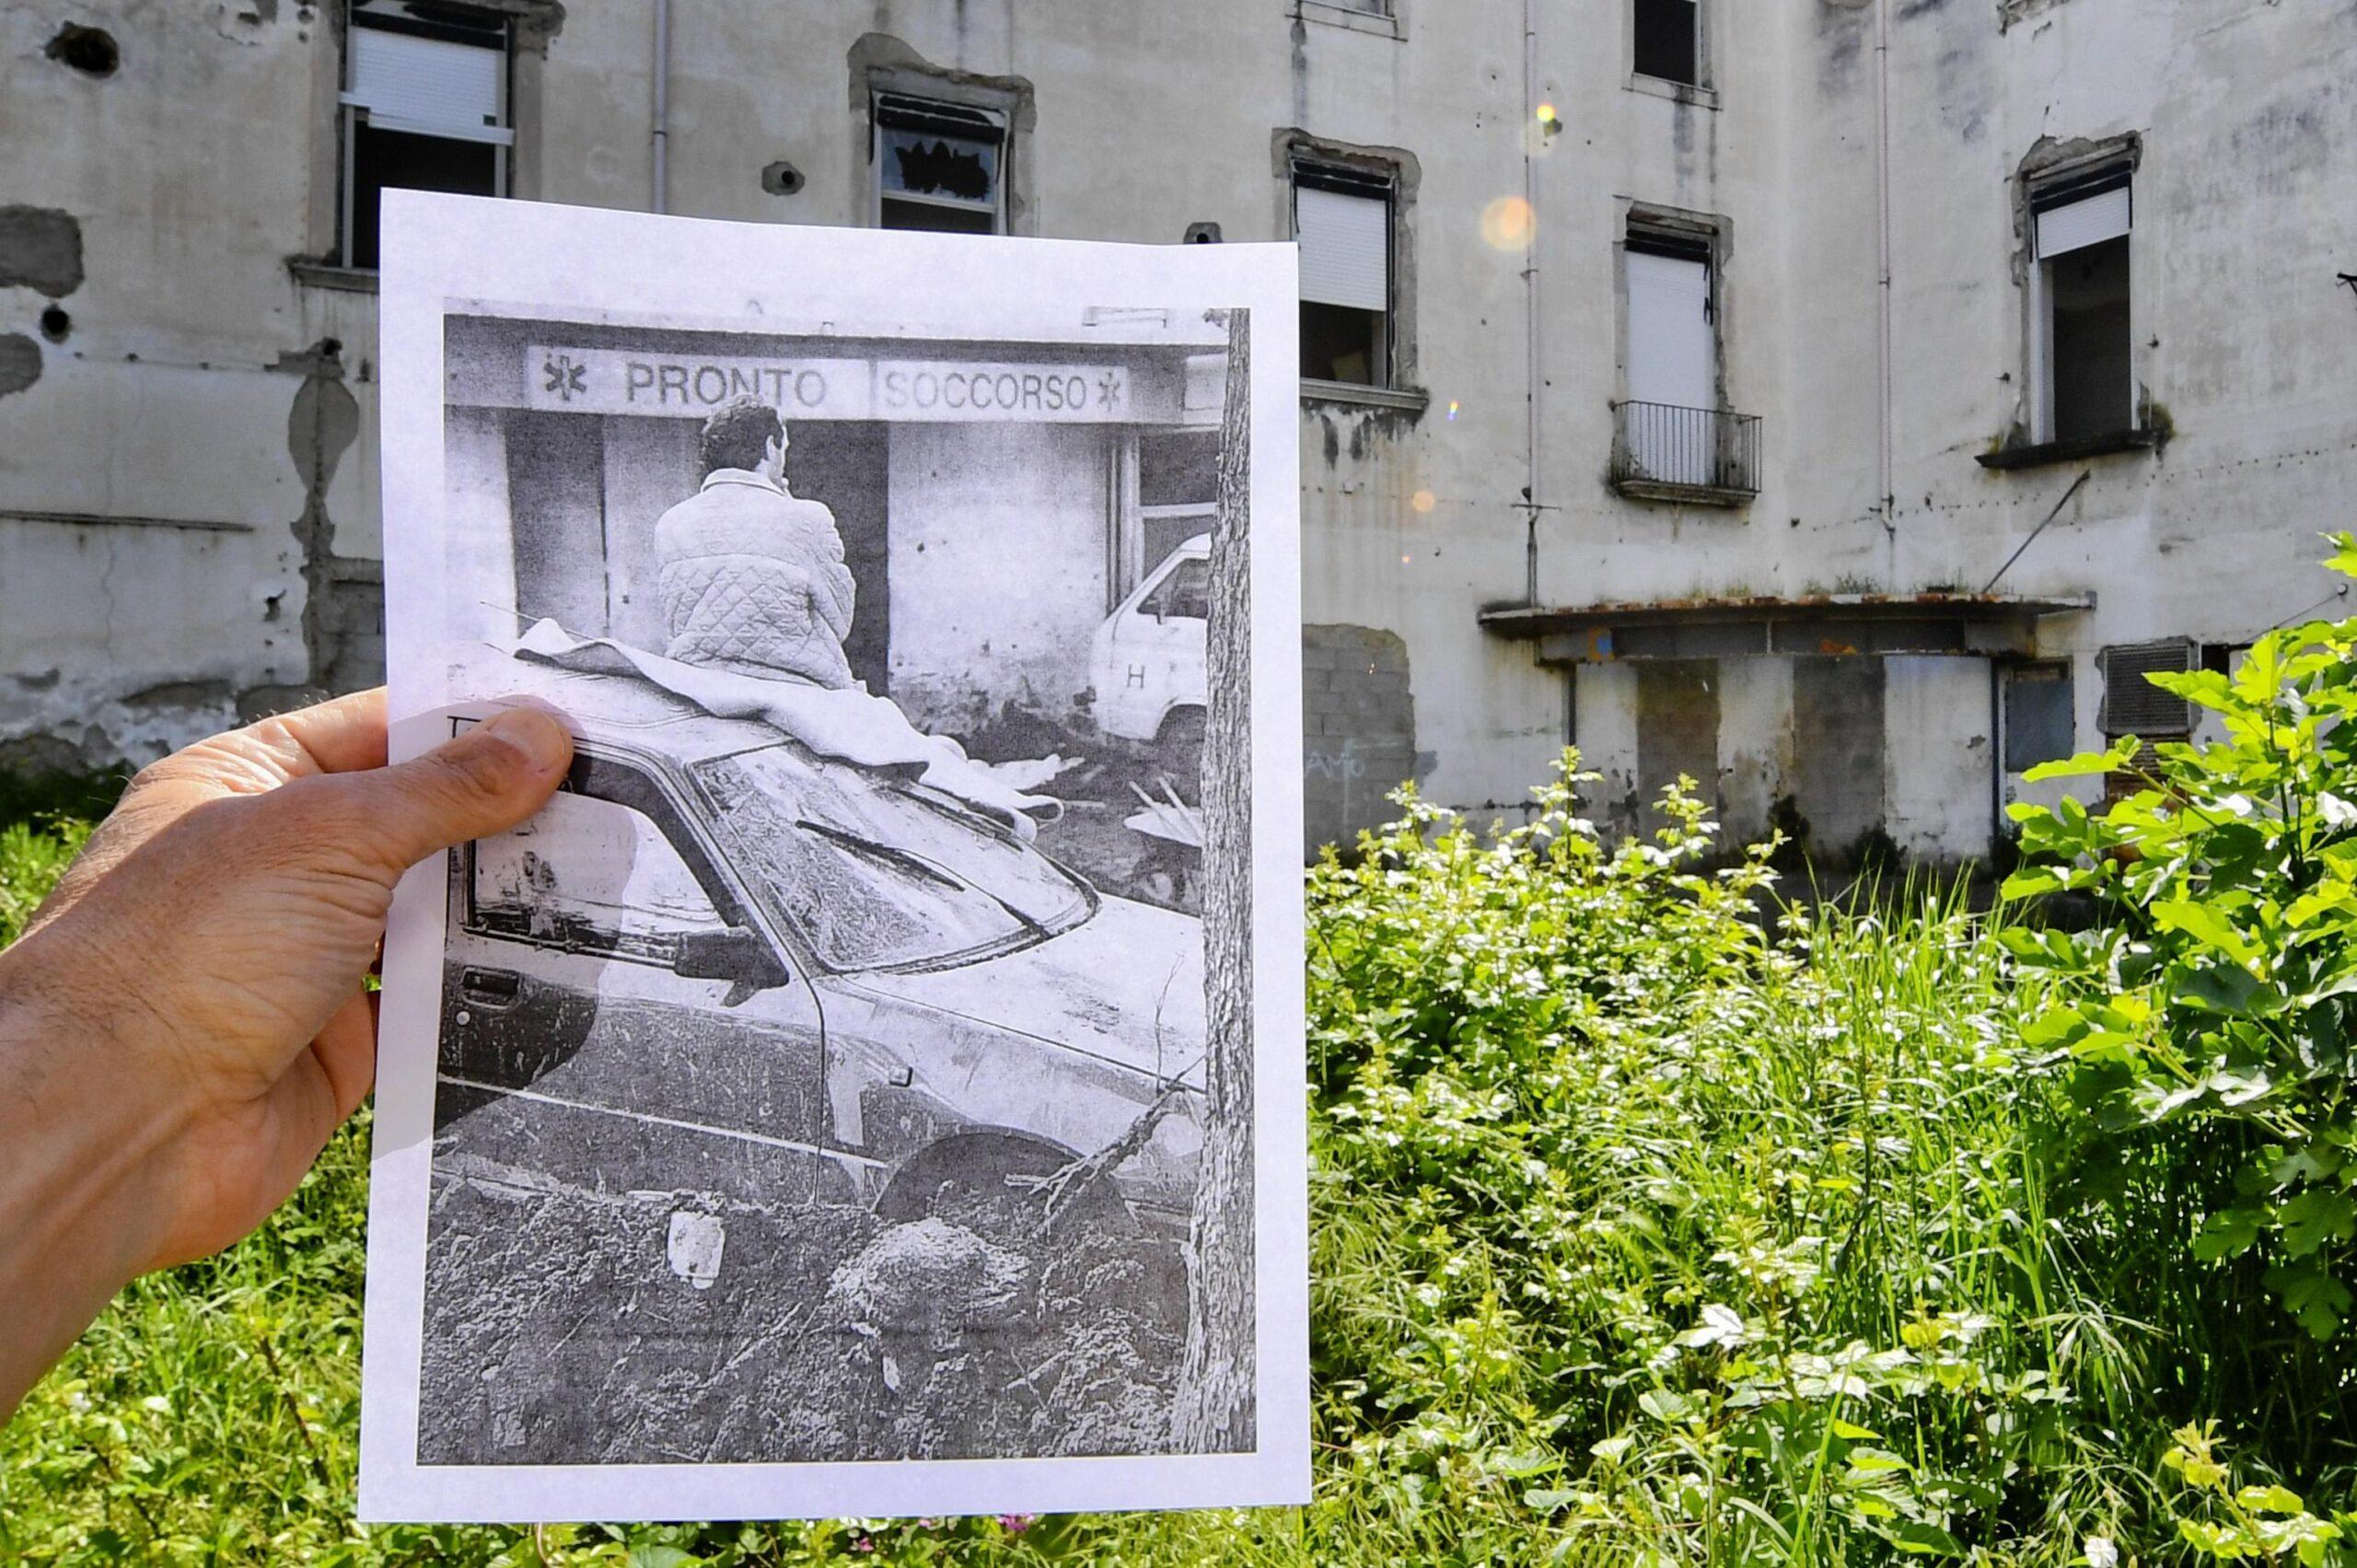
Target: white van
point(1149, 661)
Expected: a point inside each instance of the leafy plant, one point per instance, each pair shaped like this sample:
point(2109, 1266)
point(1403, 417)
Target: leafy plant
point(2217, 993)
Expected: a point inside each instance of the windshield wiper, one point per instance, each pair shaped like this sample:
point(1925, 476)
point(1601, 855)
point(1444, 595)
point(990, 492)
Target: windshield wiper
point(907, 859)
point(913, 861)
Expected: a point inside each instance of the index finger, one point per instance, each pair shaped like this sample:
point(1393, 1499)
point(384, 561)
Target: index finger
point(342, 735)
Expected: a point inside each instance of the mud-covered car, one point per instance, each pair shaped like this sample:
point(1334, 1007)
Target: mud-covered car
point(720, 962)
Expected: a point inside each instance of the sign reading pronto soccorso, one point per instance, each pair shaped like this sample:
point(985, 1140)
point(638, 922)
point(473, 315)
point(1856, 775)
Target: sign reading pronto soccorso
point(593, 380)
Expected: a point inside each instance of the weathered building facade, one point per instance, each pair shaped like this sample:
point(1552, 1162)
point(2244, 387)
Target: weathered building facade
point(1837, 400)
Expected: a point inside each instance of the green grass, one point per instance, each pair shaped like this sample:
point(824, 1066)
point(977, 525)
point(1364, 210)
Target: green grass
point(1646, 1231)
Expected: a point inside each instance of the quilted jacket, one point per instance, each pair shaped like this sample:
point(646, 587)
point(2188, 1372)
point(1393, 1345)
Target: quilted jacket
point(752, 579)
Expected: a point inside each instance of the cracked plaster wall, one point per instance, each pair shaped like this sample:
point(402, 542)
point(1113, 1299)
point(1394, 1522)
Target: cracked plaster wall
point(197, 354)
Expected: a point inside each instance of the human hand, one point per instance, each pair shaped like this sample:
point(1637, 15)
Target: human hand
point(183, 1024)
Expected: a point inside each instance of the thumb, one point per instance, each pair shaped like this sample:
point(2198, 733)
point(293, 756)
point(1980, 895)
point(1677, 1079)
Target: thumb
point(483, 781)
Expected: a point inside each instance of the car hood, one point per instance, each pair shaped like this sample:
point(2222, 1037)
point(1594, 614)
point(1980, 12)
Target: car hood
point(1126, 984)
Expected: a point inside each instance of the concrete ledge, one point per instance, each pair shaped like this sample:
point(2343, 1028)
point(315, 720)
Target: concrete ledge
point(1365, 397)
point(1676, 92)
point(2070, 451)
point(1350, 18)
point(1685, 494)
point(319, 274)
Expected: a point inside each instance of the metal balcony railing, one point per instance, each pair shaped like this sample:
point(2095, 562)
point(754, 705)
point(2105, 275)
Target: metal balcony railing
point(1661, 448)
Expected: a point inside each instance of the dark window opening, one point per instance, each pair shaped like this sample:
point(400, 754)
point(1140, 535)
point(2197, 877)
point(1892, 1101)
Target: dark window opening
point(424, 109)
point(1669, 36)
point(2088, 294)
point(1339, 343)
point(395, 160)
point(938, 166)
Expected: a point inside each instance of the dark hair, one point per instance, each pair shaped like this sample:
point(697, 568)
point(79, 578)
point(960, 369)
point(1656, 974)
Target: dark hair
point(738, 434)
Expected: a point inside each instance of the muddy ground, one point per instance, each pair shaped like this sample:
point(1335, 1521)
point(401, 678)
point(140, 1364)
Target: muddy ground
point(1090, 836)
point(574, 1327)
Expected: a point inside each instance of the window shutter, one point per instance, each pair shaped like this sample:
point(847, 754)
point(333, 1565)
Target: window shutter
point(2091, 220)
point(1345, 248)
point(2133, 705)
point(427, 86)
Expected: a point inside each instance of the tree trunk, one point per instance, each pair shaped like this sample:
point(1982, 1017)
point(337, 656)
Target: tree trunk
point(1217, 1382)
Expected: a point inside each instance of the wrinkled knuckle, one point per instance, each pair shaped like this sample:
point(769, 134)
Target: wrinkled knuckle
point(478, 771)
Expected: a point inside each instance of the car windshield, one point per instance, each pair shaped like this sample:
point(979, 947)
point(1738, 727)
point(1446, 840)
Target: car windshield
point(884, 876)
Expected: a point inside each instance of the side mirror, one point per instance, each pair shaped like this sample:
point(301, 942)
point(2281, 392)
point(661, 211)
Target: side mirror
point(734, 953)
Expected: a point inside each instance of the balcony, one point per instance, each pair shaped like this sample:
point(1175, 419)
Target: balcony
point(1699, 455)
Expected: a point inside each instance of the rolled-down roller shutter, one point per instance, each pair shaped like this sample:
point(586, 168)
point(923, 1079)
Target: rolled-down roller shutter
point(1345, 248)
point(428, 86)
point(2073, 225)
point(2133, 705)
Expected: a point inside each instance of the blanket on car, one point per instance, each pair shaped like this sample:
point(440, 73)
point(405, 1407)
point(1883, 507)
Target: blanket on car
point(846, 724)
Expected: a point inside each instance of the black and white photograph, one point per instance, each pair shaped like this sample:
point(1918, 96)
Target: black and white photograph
point(863, 1058)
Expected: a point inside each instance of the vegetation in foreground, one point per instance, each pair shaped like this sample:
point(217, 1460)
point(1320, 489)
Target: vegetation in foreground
point(1647, 1230)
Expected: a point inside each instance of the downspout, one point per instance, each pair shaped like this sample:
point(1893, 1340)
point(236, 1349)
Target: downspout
point(1884, 485)
point(1530, 128)
point(662, 129)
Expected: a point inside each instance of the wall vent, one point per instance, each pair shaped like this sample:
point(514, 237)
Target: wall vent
point(2133, 705)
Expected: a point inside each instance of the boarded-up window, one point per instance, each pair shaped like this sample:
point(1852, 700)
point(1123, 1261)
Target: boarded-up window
point(2039, 725)
point(1342, 220)
point(424, 109)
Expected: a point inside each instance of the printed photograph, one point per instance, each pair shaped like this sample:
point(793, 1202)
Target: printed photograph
point(822, 1074)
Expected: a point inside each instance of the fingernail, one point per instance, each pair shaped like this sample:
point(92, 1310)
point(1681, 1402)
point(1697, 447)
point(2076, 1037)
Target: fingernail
point(540, 738)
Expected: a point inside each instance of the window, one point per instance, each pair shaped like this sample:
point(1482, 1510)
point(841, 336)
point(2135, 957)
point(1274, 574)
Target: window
point(1670, 40)
point(939, 165)
point(1177, 491)
point(590, 874)
point(2084, 378)
point(1670, 420)
point(1185, 595)
point(424, 109)
point(2039, 722)
point(1342, 218)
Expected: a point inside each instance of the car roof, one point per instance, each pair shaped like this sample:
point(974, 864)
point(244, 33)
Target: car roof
point(641, 714)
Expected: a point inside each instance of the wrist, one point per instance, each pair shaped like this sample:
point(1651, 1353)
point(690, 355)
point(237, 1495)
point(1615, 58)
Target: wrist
point(76, 1135)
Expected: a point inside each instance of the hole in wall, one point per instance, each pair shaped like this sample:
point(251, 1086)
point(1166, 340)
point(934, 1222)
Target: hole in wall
point(781, 179)
point(90, 50)
point(55, 323)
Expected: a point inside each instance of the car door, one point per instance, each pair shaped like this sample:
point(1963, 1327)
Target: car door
point(611, 1018)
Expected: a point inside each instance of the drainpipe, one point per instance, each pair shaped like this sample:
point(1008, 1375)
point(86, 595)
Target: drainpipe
point(1884, 485)
point(1530, 296)
point(662, 130)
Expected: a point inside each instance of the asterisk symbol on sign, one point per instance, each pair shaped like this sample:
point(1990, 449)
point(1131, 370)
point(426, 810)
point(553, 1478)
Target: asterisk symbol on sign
point(1109, 391)
point(564, 377)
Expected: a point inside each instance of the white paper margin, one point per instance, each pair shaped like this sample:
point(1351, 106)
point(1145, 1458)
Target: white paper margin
point(563, 260)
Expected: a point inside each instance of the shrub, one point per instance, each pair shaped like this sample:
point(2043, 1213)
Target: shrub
point(2208, 1020)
